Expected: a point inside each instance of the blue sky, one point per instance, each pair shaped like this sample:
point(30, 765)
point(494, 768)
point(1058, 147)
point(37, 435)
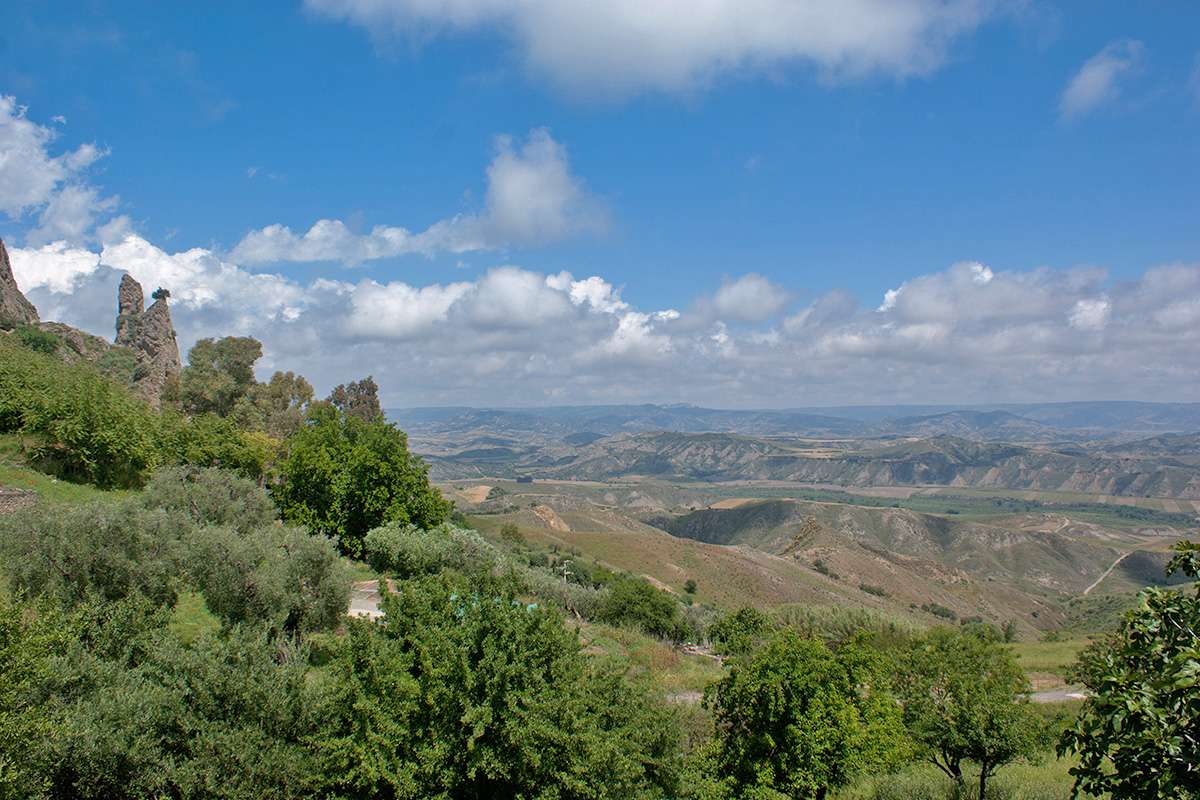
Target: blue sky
point(854, 150)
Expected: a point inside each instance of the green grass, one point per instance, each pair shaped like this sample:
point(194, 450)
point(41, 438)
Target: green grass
point(1048, 780)
point(15, 473)
point(673, 671)
point(1054, 657)
point(192, 618)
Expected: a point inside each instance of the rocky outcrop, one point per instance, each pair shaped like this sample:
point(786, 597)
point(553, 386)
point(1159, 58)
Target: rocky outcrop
point(130, 307)
point(14, 308)
point(149, 333)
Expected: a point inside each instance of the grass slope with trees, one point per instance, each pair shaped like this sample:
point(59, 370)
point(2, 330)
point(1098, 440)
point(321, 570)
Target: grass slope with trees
point(187, 637)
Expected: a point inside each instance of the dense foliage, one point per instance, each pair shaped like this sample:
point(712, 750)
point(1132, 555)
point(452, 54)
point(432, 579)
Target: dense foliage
point(1139, 733)
point(219, 373)
point(635, 603)
point(796, 719)
point(75, 422)
point(467, 692)
point(358, 399)
point(343, 476)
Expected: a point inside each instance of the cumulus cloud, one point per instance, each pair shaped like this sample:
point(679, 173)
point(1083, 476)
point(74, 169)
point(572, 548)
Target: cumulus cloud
point(622, 47)
point(514, 336)
point(35, 181)
point(532, 198)
point(1099, 80)
point(750, 298)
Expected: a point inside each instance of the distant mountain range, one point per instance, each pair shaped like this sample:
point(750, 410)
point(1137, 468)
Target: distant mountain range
point(1095, 448)
point(1005, 422)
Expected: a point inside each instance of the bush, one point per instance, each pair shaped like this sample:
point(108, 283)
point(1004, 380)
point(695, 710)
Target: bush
point(343, 476)
point(80, 425)
point(939, 610)
point(37, 339)
point(878, 591)
point(739, 633)
point(109, 551)
point(207, 440)
point(464, 691)
point(278, 576)
point(637, 604)
point(407, 551)
point(510, 533)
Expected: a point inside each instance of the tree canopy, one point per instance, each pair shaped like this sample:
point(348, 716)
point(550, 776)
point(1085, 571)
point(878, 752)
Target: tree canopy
point(219, 373)
point(965, 699)
point(358, 399)
point(800, 720)
point(1138, 735)
point(343, 476)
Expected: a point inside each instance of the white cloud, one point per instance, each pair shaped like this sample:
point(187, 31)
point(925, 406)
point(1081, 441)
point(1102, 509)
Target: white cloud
point(750, 298)
point(33, 180)
point(70, 215)
point(1090, 314)
point(622, 47)
point(513, 336)
point(56, 267)
point(399, 311)
point(532, 198)
point(1099, 79)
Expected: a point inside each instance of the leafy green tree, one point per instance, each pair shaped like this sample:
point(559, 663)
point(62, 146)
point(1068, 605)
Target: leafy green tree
point(278, 576)
point(208, 440)
point(343, 476)
point(1137, 735)
point(75, 423)
point(466, 692)
point(30, 640)
point(219, 373)
point(965, 699)
point(738, 633)
point(510, 533)
point(798, 720)
point(358, 399)
point(689, 586)
point(109, 551)
point(636, 603)
point(209, 496)
point(275, 408)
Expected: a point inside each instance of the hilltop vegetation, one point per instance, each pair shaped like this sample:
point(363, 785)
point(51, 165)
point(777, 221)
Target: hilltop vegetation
point(188, 636)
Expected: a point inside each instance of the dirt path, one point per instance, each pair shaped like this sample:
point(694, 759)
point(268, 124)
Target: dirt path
point(1057, 695)
point(1107, 572)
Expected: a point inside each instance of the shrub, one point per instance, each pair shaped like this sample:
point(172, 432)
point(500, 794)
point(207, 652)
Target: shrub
point(464, 691)
point(206, 440)
point(799, 720)
point(636, 603)
point(740, 632)
point(939, 610)
point(276, 575)
point(79, 425)
point(208, 496)
point(37, 339)
point(110, 551)
point(343, 476)
point(510, 533)
point(406, 551)
point(878, 591)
